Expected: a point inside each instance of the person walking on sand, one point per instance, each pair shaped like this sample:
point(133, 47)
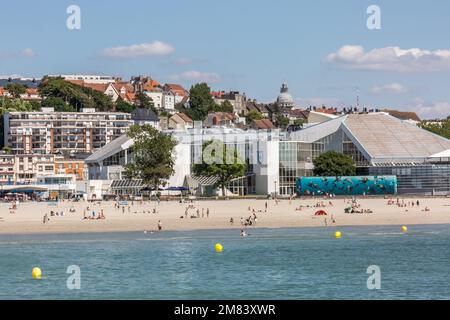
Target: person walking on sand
point(326, 224)
point(266, 205)
point(159, 225)
point(207, 212)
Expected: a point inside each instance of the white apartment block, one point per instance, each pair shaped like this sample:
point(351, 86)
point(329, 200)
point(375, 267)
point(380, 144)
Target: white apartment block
point(157, 97)
point(49, 132)
point(169, 101)
point(87, 78)
point(28, 167)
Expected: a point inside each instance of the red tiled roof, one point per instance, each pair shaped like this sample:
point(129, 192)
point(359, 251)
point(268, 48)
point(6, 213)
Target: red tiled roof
point(263, 124)
point(403, 115)
point(184, 116)
point(327, 111)
point(176, 88)
point(217, 94)
point(94, 86)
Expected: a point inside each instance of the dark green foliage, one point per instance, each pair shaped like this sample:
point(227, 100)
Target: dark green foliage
point(153, 157)
point(221, 161)
point(331, 164)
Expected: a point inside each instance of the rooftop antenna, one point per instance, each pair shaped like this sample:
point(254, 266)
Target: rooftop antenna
point(357, 98)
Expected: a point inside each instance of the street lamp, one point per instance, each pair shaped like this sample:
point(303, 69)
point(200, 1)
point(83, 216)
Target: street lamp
point(275, 182)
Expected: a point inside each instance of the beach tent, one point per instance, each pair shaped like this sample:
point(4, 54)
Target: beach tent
point(320, 213)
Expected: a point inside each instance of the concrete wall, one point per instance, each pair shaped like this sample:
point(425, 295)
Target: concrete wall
point(267, 170)
point(182, 164)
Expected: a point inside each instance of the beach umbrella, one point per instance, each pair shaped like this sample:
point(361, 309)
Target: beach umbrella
point(320, 213)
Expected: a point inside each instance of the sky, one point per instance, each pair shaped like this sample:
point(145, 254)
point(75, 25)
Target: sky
point(324, 50)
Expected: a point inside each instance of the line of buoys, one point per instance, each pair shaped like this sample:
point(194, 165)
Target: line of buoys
point(404, 229)
point(337, 234)
point(218, 247)
point(36, 273)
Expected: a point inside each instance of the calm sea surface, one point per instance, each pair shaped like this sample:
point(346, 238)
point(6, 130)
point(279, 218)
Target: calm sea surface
point(301, 263)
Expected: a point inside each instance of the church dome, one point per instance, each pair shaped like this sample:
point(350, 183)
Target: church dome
point(285, 99)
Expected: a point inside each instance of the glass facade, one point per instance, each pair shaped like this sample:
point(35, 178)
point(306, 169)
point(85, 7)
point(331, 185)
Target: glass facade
point(240, 186)
point(350, 149)
point(429, 179)
point(295, 161)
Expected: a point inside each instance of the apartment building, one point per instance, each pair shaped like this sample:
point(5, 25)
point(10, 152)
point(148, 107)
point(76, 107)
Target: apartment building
point(88, 78)
point(6, 168)
point(70, 166)
point(237, 100)
point(49, 132)
point(27, 167)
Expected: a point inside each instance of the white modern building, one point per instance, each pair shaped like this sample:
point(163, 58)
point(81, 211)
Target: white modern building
point(102, 79)
point(380, 145)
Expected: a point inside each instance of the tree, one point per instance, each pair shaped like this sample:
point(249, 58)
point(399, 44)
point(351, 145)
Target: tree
point(58, 104)
point(253, 115)
point(282, 121)
point(332, 164)
point(225, 106)
point(123, 106)
point(16, 89)
point(300, 122)
point(7, 150)
point(77, 96)
point(201, 102)
point(35, 105)
point(153, 157)
point(220, 161)
point(144, 101)
point(13, 105)
point(101, 101)
point(442, 128)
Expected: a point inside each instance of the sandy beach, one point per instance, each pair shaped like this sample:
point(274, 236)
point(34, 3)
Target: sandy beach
point(28, 217)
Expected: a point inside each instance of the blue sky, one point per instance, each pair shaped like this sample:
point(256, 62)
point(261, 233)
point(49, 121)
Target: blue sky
point(322, 49)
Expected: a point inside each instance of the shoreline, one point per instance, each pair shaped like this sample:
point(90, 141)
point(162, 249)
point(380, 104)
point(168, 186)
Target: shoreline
point(27, 218)
point(98, 231)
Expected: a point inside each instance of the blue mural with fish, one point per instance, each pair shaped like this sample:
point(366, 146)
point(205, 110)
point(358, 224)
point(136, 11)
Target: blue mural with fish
point(359, 185)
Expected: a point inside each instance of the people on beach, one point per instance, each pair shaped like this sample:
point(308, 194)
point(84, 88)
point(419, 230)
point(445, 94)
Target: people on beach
point(159, 225)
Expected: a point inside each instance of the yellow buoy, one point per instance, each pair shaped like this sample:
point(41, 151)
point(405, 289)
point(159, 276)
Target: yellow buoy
point(36, 273)
point(337, 234)
point(218, 247)
point(404, 229)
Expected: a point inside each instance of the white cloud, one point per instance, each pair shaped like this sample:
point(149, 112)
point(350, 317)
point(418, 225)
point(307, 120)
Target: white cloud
point(431, 110)
point(390, 59)
point(28, 53)
point(197, 76)
point(395, 88)
point(183, 61)
point(155, 48)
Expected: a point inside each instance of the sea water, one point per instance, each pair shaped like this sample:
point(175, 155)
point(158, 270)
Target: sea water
point(289, 263)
